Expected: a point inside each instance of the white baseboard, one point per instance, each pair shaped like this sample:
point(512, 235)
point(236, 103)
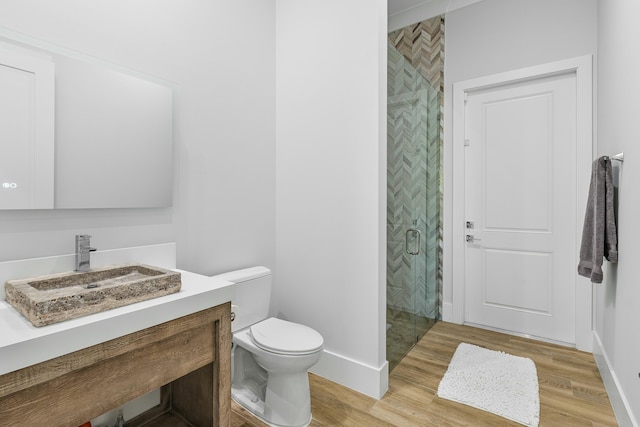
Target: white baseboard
point(356, 375)
point(130, 409)
point(617, 398)
point(447, 312)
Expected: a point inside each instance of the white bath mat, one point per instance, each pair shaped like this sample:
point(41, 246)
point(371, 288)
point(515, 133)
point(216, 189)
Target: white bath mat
point(493, 381)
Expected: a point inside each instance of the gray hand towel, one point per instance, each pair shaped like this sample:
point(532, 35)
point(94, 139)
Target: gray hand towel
point(599, 236)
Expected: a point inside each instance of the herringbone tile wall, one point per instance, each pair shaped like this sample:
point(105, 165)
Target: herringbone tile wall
point(414, 172)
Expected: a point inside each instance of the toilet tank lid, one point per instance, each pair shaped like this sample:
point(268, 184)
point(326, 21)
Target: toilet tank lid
point(243, 275)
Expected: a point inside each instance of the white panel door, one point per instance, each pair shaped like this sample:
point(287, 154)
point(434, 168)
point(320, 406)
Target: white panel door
point(520, 207)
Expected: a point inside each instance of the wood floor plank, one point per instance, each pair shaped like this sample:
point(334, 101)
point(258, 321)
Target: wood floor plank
point(571, 390)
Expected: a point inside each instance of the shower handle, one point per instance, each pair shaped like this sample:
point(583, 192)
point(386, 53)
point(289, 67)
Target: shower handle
point(416, 233)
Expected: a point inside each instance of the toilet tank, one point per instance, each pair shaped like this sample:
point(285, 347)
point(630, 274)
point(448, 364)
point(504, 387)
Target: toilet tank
point(253, 295)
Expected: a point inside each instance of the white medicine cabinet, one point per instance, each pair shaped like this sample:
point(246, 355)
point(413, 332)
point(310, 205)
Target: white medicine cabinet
point(26, 130)
point(77, 132)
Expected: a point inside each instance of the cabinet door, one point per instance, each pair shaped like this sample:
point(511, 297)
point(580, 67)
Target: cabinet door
point(26, 130)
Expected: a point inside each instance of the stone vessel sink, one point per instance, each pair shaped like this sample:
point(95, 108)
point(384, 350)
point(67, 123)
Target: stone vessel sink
point(58, 297)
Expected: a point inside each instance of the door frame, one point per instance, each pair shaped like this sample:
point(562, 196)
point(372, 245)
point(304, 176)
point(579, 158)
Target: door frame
point(582, 67)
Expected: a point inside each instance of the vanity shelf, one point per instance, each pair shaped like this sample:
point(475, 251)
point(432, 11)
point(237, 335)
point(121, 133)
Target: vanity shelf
point(188, 357)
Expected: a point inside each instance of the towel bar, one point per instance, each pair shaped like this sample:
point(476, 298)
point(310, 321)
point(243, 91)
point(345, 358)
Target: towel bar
point(619, 157)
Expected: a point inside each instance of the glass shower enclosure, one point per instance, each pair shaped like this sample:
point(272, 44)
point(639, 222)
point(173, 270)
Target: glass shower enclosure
point(413, 170)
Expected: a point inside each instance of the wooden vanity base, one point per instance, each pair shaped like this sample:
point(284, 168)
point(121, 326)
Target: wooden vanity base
point(189, 358)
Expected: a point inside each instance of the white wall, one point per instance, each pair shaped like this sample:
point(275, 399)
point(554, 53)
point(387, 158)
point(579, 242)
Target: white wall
point(331, 194)
point(222, 55)
point(494, 36)
point(617, 299)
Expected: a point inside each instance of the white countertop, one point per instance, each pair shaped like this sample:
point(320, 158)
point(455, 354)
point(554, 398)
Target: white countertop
point(22, 344)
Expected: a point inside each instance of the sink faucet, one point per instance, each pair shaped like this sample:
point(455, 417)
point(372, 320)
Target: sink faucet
point(83, 252)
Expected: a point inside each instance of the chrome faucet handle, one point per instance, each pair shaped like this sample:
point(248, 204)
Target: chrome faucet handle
point(82, 238)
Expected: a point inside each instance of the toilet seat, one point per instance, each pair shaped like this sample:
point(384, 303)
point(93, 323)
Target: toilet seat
point(283, 337)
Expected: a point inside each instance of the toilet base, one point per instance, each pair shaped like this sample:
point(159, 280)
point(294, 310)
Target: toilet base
point(252, 403)
point(274, 387)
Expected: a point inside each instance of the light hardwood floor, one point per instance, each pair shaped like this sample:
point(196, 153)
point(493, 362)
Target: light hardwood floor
point(571, 390)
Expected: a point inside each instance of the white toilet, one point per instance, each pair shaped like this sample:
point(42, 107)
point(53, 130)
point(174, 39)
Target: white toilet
point(269, 357)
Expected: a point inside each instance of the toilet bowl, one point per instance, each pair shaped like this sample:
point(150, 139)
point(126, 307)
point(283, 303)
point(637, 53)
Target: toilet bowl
point(270, 356)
